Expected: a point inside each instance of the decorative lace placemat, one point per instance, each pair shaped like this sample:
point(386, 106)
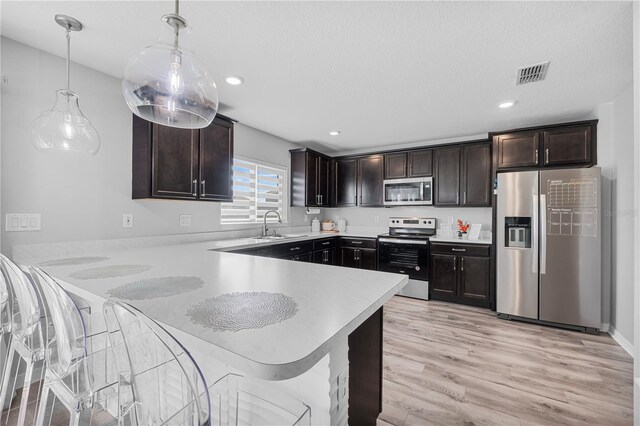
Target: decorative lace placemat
point(111, 271)
point(241, 311)
point(73, 261)
point(152, 288)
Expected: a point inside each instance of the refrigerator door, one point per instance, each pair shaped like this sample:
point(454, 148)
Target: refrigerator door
point(517, 264)
point(570, 221)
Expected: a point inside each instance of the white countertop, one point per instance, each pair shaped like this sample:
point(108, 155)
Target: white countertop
point(439, 239)
point(331, 301)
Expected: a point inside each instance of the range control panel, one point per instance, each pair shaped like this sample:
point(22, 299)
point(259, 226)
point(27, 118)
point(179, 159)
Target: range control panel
point(412, 222)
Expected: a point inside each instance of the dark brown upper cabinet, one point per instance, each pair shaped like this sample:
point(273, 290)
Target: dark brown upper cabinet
point(475, 175)
point(181, 163)
point(561, 145)
point(567, 145)
point(447, 176)
point(310, 178)
point(518, 150)
point(345, 182)
point(420, 163)
point(395, 165)
point(370, 177)
point(408, 164)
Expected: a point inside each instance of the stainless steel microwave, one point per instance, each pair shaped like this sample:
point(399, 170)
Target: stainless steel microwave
point(408, 192)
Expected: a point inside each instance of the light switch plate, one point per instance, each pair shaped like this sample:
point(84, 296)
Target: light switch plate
point(22, 222)
point(127, 220)
point(185, 220)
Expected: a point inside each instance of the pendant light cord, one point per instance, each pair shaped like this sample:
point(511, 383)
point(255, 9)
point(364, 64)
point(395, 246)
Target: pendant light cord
point(68, 56)
point(177, 29)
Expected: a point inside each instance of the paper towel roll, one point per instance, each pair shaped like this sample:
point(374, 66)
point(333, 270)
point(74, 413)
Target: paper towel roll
point(314, 210)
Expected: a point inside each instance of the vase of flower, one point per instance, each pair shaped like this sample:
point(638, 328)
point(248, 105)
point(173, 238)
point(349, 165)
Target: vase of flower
point(463, 228)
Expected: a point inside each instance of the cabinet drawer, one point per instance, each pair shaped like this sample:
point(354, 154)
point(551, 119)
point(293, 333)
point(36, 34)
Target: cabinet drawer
point(288, 250)
point(324, 244)
point(357, 242)
point(462, 249)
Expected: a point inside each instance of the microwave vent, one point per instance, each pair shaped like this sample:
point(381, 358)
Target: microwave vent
point(532, 73)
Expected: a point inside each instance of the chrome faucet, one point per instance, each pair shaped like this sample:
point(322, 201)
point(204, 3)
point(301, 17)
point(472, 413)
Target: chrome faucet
point(264, 224)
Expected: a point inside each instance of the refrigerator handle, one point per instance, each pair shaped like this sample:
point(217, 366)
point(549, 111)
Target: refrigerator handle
point(534, 234)
point(543, 234)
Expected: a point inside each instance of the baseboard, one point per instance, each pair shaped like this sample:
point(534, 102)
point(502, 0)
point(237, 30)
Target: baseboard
point(622, 341)
point(604, 327)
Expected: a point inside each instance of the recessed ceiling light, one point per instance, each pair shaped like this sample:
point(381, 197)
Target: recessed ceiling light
point(334, 133)
point(234, 80)
point(507, 104)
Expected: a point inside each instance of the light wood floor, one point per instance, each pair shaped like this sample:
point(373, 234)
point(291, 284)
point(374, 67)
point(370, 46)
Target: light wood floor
point(448, 364)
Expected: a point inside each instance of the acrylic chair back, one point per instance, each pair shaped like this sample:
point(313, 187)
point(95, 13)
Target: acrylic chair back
point(66, 338)
point(24, 304)
point(159, 378)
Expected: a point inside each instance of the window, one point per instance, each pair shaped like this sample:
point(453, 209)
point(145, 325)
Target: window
point(257, 187)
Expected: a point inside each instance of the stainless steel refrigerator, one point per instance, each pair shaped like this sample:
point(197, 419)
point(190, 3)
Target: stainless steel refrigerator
point(548, 247)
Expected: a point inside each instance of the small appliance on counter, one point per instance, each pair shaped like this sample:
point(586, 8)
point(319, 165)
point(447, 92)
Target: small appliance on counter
point(315, 225)
point(342, 225)
point(405, 250)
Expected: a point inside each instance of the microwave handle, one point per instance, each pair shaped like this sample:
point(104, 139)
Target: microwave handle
point(422, 191)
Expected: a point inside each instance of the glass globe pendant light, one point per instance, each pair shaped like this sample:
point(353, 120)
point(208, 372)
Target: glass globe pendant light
point(63, 127)
point(168, 85)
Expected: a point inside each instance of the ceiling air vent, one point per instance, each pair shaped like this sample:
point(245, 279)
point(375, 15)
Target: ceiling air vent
point(532, 73)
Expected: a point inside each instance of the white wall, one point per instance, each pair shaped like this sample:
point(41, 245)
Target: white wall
point(615, 148)
point(636, 233)
point(83, 198)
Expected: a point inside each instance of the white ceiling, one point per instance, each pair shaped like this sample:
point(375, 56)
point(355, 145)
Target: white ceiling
point(384, 73)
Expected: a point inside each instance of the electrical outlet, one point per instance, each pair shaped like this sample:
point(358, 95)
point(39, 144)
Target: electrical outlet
point(21, 222)
point(376, 219)
point(185, 220)
point(127, 220)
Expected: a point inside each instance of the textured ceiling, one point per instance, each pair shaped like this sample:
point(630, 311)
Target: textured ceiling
point(384, 73)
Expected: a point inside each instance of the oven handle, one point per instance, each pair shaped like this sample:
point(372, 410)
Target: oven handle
point(403, 241)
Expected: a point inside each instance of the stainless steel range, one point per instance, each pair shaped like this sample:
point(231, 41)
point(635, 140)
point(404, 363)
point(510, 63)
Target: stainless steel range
point(405, 250)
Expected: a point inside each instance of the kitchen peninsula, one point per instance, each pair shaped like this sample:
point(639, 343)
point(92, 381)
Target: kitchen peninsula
point(326, 320)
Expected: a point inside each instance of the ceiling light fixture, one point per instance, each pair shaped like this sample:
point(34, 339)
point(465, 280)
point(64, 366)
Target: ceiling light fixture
point(507, 104)
point(63, 127)
point(167, 85)
point(334, 132)
point(234, 80)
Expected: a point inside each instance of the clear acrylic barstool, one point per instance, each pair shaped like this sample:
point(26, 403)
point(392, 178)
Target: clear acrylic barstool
point(5, 325)
point(159, 381)
point(77, 364)
point(27, 336)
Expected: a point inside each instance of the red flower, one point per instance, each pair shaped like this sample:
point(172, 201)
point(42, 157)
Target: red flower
point(463, 226)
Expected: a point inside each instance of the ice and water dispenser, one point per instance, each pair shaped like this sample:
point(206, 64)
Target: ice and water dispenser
point(517, 232)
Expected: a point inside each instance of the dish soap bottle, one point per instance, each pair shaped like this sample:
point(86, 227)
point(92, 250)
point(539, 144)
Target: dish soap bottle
point(315, 225)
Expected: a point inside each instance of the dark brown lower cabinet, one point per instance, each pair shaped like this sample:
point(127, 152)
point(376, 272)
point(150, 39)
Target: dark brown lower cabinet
point(361, 258)
point(460, 273)
point(325, 256)
point(303, 257)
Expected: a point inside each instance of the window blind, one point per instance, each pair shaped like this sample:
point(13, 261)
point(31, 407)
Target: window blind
point(257, 187)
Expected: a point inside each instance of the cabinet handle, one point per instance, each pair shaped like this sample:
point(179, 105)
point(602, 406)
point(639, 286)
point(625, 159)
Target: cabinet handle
point(294, 248)
point(536, 156)
point(458, 249)
point(457, 198)
point(321, 199)
point(355, 199)
point(194, 183)
point(203, 184)
point(464, 198)
point(546, 156)
point(356, 242)
point(326, 242)
point(410, 169)
point(462, 263)
point(455, 261)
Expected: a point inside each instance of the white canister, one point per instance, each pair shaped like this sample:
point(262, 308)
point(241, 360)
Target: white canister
point(315, 225)
point(342, 225)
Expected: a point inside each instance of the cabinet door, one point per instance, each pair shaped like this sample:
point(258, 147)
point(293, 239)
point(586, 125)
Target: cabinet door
point(474, 278)
point(567, 145)
point(216, 160)
point(349, 257)
point(420, 163)
point(517, 150)
point(325, 256)
point(304, 257)
point(346, 172)
point(175, 162)
point(395, 165)
point(442, 281)
point(324, 180)
point(311, 180)
point(447, 176)
point(370, 177)
point(367, 259)
point(475, 175)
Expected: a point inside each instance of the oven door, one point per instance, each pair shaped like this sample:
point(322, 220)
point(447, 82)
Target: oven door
point(407, 192)
point(408, 257)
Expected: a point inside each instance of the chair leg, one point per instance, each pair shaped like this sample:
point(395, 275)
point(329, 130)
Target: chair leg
point(45, 410)
point(80, 418)
point(7, 392)
point(24, 399)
